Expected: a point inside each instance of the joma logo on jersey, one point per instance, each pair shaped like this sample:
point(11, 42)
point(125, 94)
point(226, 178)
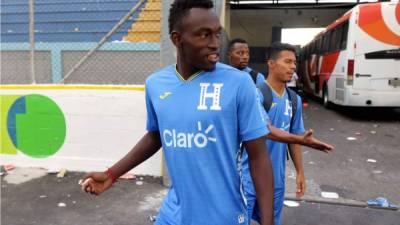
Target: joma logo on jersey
point(173, 138)
point(165, 95)
point(215, 96)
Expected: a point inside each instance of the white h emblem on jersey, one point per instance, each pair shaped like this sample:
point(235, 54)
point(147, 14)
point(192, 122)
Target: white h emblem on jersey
point(214, 95)
point(288, 108)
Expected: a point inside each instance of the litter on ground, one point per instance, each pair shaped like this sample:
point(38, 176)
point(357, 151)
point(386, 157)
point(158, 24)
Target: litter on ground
point(381, 202)
point(332, 195)
point(128, 176)
point(8, 167)
point(62, 173)
point(291, 203)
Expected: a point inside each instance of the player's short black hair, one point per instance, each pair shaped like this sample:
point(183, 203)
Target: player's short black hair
point(179, 9)
point(276, 48)
point(234, 41)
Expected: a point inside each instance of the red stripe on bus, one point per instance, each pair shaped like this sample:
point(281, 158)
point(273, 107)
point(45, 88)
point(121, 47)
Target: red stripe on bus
point(398, 13)
point(327, 65)
point(371, 21)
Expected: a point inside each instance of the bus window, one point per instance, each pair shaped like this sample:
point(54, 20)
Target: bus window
point(345, 30)
point(312, 48)
point(338, 38)
point(306, 52)
point(334, 44)
point(323, 45)
point(326, 42)
point(385, 54)
point(332, 41)
point(319, 46)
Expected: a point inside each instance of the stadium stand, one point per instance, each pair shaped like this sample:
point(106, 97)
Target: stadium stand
point(147, 28)
point(76, 20)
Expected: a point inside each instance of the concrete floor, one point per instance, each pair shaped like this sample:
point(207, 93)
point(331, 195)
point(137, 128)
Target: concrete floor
point(31, 196)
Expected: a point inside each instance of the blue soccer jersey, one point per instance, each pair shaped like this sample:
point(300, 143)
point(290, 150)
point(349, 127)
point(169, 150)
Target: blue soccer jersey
point(201, 122)
point(279, 116)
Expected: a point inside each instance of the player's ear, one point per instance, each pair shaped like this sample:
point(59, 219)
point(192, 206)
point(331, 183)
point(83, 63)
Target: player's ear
point(228, 55)
point(176, 38)
point(270, 63)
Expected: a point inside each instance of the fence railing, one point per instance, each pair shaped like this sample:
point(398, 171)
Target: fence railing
point(80, 42)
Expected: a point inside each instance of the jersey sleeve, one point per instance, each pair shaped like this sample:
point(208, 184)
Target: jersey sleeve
point(251, 115)
point(152, 123)
point(298, 126)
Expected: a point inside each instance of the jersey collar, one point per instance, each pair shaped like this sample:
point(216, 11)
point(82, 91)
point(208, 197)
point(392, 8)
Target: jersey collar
point(191, 76)
point(277, 94)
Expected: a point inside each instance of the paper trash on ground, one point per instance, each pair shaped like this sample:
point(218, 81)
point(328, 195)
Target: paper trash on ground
point(326, 194)
point(291, 203)
point(128, 176)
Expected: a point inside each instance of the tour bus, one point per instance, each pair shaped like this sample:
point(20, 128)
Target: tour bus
point(355, 61)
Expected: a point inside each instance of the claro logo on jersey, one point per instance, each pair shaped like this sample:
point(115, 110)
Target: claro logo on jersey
point(199, 139)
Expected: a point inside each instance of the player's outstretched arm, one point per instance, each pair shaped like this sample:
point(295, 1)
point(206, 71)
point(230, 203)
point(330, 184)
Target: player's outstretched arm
point(277, 134)
point(98, 182)
point(261, 173)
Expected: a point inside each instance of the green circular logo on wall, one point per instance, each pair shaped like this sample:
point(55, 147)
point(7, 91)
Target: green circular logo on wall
point(36, 125)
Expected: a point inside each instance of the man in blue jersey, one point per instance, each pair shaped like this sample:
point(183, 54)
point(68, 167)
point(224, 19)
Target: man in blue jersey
point(199, 111)
point(239, 57)
point(282, 64)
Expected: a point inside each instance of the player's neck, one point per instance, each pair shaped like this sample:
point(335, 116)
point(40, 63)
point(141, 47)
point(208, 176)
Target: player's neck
point(185, 70)
point(276, 84)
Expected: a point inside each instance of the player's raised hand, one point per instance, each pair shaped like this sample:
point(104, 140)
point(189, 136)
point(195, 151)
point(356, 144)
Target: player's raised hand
point(310, 141)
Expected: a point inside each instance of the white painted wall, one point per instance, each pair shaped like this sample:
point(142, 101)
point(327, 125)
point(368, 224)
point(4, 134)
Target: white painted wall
point(102, 126)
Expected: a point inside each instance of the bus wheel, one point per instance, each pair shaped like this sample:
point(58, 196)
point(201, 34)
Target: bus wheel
point(325, 97)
